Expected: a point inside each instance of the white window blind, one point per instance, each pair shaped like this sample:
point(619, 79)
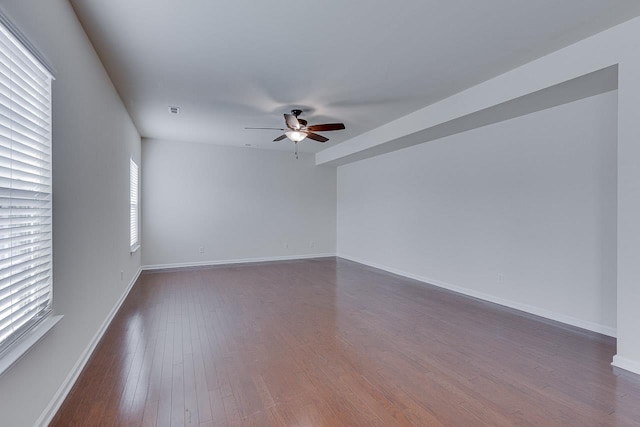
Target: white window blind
point(133, 211)
point(25, 190)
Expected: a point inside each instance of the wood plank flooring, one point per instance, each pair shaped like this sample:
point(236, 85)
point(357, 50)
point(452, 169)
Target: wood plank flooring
point(332, 343)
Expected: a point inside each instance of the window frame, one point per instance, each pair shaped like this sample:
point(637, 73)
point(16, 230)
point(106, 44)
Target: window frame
point(134, 205)
point(29, 64)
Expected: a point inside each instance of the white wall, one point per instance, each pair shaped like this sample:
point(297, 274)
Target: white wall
point(236, 203)
point(521, 212)
point(618, 47)
point(628, 343)
point(93, 138)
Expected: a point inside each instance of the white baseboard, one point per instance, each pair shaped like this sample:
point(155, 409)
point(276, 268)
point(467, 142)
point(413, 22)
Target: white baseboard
point(53, 406)
point(233, 261)
point(626, 364)
point(583, 324)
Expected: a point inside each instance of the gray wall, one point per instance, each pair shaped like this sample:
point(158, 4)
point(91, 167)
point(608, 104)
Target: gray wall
point(521, 212)
point(236, 203)
point(93, 138)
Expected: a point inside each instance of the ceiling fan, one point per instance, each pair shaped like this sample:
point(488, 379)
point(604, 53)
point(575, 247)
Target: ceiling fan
point(297, 128)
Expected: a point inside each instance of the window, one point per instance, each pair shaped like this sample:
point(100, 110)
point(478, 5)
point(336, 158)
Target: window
point(25, 190)
point(133, 205)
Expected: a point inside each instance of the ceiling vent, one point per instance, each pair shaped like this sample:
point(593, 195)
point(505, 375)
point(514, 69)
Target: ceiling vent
point(174, 110)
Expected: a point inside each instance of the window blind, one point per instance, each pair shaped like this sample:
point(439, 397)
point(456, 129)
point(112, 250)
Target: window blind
point(133, 211)
point(25, 189)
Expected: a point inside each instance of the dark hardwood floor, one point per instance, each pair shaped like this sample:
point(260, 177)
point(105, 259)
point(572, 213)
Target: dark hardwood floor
point(331, 343)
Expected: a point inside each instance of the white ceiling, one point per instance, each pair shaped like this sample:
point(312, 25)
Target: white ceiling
point(232, 64)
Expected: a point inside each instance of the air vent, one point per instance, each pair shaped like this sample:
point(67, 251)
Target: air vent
point(174, 110)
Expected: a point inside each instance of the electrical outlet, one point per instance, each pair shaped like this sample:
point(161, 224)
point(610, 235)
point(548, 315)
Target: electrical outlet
point(201, 249)
point(500, 279)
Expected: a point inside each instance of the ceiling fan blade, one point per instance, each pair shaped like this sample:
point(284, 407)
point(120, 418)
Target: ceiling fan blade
point(326, 127)
point(280, 138)
point(268, 128)
point(292, 121)
point(316, 137)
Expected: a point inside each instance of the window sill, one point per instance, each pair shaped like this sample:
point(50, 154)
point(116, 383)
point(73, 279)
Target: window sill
point(30, 339)
point(134, 249)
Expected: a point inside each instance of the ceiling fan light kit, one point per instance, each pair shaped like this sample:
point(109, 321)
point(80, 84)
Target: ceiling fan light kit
point(295, 135)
